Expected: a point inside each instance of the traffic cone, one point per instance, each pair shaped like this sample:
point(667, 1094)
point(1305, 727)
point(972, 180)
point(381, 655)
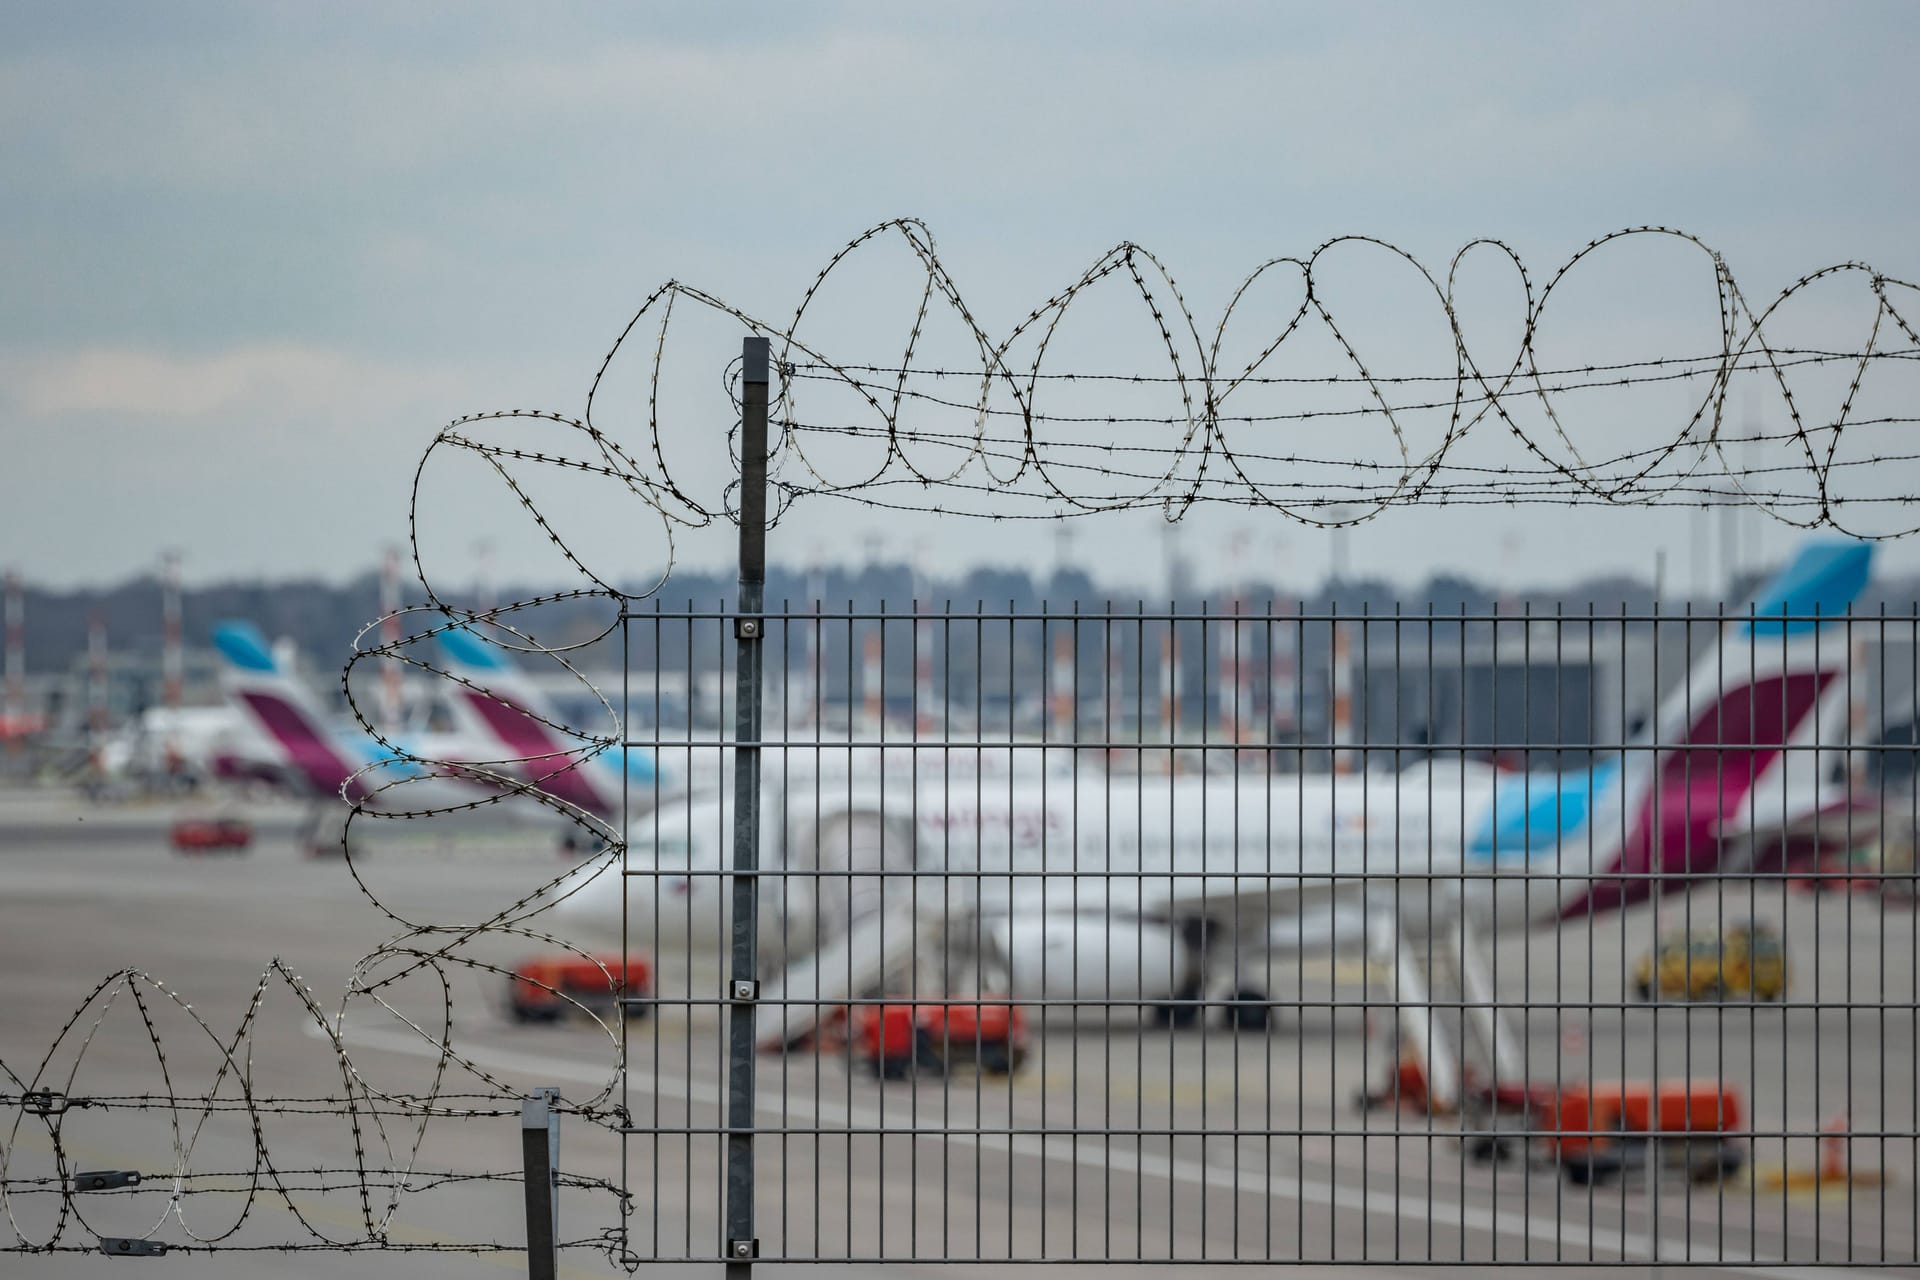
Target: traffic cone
point(1833, 1150)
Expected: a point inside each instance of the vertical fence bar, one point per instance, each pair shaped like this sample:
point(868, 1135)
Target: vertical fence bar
point(743, 987)
point(540, 1161)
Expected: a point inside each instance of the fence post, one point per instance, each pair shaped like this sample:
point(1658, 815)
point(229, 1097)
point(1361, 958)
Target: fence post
point(540, 1158)
point(743, 986)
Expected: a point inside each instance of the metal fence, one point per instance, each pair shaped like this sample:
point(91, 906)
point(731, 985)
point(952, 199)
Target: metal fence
point(1267, 936)
point(1087, 938)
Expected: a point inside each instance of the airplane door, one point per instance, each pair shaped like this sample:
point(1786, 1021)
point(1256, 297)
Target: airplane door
point(860, 845)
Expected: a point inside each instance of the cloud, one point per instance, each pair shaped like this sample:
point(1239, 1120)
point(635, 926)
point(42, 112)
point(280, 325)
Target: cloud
point(962, 106)
point(144, 381)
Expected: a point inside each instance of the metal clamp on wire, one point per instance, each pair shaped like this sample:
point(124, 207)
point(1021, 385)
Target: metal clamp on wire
point(122, 1247)
point(105, 1180)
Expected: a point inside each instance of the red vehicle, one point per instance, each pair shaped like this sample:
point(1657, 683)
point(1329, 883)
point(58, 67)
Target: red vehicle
point(205, 835)
point(544, 990)
point(1597, 1132)
point(901, 1040)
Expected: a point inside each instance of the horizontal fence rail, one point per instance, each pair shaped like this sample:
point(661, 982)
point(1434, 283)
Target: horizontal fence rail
point(1182, 936)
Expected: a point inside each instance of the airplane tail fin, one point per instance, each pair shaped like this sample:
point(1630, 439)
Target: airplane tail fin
point(1733, 764)
point(1778, 678)
point(280, 707)
point(494, 697)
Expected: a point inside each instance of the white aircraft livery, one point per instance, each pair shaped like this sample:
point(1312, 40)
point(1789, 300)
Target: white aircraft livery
point(1161, 890)
point(319, 760)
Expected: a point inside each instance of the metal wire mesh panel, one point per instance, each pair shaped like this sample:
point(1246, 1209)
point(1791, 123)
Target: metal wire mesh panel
point(1276, 937)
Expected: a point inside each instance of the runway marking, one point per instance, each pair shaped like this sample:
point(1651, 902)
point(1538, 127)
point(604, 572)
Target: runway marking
point(1420, 1209)
point(1059, 1082)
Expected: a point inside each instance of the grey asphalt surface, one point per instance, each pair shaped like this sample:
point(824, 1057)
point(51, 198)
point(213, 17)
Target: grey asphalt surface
point(959, 1167)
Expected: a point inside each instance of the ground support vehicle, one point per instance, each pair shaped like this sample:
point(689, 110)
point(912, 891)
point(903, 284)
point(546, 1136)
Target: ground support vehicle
point(545, 989)
point(209, 835)
point(898, 1041)
point(1597, 1132)
point(1747, 962)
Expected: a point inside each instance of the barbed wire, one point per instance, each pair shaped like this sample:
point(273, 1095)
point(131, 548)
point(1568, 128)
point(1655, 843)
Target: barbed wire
point(1201, 456)
point(386, 1128)
point(1203, 453)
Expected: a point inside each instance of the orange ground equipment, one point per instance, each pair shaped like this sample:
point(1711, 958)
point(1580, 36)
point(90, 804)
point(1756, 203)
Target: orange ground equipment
point(1601, 1130)
point(544, 990)
point(206, 835)
point(899, 1041)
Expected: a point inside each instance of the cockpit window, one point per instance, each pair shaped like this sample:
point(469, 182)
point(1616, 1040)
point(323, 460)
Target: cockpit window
point(678, 838)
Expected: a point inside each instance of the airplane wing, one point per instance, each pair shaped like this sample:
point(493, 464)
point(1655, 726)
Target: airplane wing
point(1251, 902)
point(1840, 820)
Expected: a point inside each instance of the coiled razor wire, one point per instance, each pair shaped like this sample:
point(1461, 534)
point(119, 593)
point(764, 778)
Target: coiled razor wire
point(199, 1190)
point(999, 455)
point(965, 439)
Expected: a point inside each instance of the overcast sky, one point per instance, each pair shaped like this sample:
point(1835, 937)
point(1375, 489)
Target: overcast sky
point(256, 255)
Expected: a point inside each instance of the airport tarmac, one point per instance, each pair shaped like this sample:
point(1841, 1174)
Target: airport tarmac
point(1112, 1142)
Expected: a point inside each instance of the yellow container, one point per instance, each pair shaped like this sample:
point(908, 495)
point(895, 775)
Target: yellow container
point(1747, 962)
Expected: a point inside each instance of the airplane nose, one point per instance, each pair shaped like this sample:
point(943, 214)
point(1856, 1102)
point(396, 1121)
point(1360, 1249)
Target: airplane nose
point(657, 903)
point(651, 899)
point(588, 902)
point(663, 907)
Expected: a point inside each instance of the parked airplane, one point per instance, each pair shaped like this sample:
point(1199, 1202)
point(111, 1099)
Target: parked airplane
point(187, 744)
point(494, 699)
point(1170, 893)
point(496, 702)
point(310, 756)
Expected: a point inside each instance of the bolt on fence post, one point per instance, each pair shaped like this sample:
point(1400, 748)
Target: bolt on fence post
point(748, 634)
point(540, 1155)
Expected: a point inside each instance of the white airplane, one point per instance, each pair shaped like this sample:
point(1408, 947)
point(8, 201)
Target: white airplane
point(495, 700)
point(201, 742)
point(1172, 894)
point(296, 746)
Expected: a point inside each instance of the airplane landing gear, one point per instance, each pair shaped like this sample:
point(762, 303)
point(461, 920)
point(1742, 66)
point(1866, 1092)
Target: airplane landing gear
point(1248, 1010)
point(1185, 1009)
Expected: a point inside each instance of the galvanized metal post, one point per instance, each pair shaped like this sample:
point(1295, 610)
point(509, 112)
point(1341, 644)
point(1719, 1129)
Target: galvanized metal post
point(540, 1158)
point(743, 987)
